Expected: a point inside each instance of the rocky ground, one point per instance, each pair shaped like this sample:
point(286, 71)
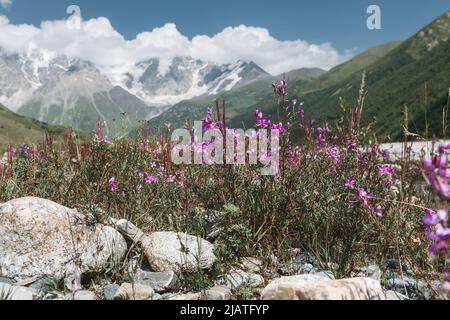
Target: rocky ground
point(47, 251)
point(418, 148)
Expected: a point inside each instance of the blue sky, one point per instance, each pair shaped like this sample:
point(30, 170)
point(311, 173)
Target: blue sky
point(340, 22)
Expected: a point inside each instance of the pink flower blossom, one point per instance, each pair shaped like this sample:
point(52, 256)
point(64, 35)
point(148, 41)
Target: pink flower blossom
point(113, 184)
point(151, 179)
point(350, 182)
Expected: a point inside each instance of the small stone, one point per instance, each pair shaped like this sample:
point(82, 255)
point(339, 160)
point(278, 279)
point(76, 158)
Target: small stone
point(8, 292)
point(211, 217)
point(299, 260)
point(300, 278)
point(214, 233)
point(393, 295)
point(374, 272)
point(82, 295)
point(157, 296)
point(325, 274)
point(307, 268)
point(53, 296)
point(129, 230)
point(7, 281)
point(166, 296)
point(27, 282)
point(397, 283)
point(128, 291)
point(218, 293)
point(185, 296)
point(110, 290)
point(304, 257)
point(40, 285)
point(346, 289)
point(170, 251)
point(237, 278)
point(333, 266)
point(159, 281)
point(251, 264)
point(428, 291)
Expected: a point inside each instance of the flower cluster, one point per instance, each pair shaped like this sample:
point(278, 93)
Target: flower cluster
point(437, 175)
point(440, 235)
point(112, 184)
point(209, 123)
point(280, 88)
point(320, 135)
point(363, 197)
point(265, 123)
point(261, 120)
point(160, 177)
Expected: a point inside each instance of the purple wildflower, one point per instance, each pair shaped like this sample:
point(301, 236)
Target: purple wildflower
point(113, 184)
point(350, 182)
point(151, 179)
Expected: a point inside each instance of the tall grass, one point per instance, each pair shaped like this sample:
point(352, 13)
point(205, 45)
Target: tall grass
point(336, 197)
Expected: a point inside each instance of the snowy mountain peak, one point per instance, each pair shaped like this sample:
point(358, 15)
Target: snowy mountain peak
point(163, 83)
point(55, 88)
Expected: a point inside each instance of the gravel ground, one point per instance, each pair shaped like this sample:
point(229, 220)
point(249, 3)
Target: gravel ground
point(418, 148)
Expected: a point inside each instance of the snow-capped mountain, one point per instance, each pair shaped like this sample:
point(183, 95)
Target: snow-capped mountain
point(60, 90)
point(163, 84)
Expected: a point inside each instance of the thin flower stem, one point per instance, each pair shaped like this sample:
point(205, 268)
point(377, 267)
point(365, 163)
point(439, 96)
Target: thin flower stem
point(401, 202)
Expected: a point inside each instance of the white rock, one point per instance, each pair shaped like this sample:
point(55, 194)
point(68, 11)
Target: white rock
point(392, 295)
point(129, 230)
point(159, 281)
point(128, 291)
point(185, 296)
point(82, 295)
point(300, 278)
point(218, 293)
point(41, 238)
point(8, 292)
point(167, 251)
point(236, 278)
point(251, 264)
point(346, 289)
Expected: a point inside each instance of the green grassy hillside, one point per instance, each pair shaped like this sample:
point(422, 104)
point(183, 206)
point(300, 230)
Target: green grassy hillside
point(16, 129)
point(242, 102)
point(394, 80)
point(238, 101)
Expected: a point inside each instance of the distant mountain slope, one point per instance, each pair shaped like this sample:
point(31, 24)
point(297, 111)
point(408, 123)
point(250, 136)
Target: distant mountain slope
point(187, 78)
point(238, 101)
point(242, 102)
point(394, 80)
point(16, 129)
point(63, 91)
point(346, 69)
point(60, 90)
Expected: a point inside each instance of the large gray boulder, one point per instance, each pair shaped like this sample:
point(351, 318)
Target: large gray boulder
point(40, 238)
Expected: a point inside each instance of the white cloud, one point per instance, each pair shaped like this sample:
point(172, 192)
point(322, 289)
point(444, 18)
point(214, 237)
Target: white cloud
point(5, 3)
point(97, 41)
